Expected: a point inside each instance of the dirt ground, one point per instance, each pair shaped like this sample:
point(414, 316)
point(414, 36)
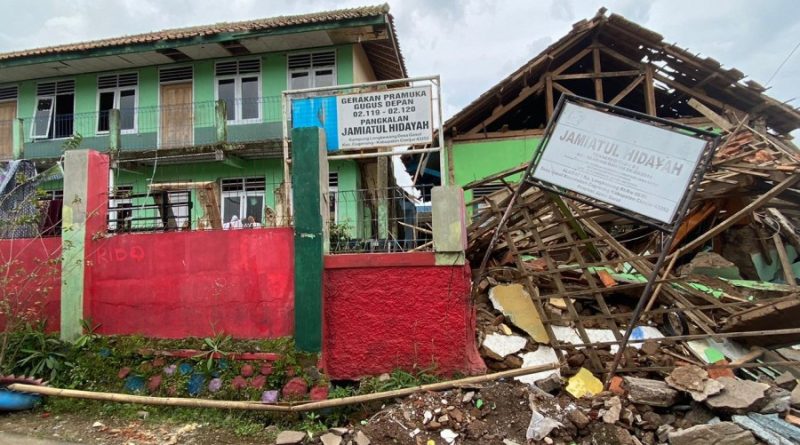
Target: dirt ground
point(75, 427)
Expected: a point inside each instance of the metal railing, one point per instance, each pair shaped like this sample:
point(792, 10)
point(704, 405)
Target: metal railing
point(379, 220)
point(149, 212)
point(161, 127)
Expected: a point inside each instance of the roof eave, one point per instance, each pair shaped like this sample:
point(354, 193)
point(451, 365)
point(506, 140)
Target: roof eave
point(34, 59)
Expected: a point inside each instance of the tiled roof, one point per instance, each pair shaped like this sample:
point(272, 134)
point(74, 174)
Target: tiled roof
point(206, 30)
point(724, 84)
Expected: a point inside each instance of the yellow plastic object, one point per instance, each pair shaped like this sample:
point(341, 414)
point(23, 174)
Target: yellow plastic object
point(431, 442)
point(584, 383)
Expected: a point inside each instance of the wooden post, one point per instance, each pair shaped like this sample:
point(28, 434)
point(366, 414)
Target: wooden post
point(222, 121)
point(549, 95)
point(114, 130)
point(598, 81)
point(649, 91)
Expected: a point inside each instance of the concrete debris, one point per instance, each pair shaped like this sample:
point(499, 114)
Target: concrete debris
point(738, 396)
point(361, 439)
point(503, 345)
point(331, 439)
point(694, 380)
point(542, 356)
point(778, 400)
point(712, 265)
point(650, 392)
point(550, 383)
point(795, 397)
point(290, 438)
point(613, 408)
point(448, 435)
point(515, 303)
point(787, 380)
point(722, 433)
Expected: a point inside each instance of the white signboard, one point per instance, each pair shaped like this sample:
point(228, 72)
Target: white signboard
point(385, 118)
point(620, 161)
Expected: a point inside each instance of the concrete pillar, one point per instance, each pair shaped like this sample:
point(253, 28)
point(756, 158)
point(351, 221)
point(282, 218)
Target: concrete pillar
point(382, 193)
point(19, 139)
point(449, 225)
point(222, 121)
point(310, 201)
point(84, 216)
point(114, 131)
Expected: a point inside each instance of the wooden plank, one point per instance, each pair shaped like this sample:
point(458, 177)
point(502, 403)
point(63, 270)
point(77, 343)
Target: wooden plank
point(691, 91)
point(499, 111)
point(788, 273)
point(718, 120)
point(626, 91)
point(649, 91)
point(571, 61)
point(549, 96)
point(597, 76)
point(598, 82)
point(562, 88)
point(731, 220)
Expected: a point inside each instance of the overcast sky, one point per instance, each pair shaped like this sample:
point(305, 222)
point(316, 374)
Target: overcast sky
point(471, 43)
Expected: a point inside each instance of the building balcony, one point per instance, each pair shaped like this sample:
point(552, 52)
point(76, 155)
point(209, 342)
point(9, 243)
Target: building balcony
point(254, 124)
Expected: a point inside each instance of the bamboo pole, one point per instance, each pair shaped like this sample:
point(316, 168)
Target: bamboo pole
point(257, 406)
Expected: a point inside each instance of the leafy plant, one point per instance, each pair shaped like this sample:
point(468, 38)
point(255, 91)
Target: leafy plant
point(73, 143)
point(88, 335)
point(214, 346)
point(40, 355)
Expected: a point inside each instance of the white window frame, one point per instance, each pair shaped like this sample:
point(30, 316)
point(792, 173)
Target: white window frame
point(243, 194)
point(50, 115)
point(237, 94)
point(333, 196)
point(312, 70)
point(117, 96)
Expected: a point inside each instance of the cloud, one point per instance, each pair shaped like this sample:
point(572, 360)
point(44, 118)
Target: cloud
point(472, 44)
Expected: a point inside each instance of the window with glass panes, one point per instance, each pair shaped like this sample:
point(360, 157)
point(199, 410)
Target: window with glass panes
point(243, 197)
point(238, 84)
point(54, 115)
point(117, 91)
point(312, 70)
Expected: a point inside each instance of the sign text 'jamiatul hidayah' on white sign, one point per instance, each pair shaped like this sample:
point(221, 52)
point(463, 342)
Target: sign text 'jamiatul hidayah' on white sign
point(385, 118)
point(620, 161)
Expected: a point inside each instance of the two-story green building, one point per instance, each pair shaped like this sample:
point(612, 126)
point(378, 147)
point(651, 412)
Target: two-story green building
point(197, 104)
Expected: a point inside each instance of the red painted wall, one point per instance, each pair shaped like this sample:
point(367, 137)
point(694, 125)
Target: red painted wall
point(198, 283)
point(388, 311)
point(33, 282)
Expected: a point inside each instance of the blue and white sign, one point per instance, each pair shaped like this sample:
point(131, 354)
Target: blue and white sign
point(385, 118)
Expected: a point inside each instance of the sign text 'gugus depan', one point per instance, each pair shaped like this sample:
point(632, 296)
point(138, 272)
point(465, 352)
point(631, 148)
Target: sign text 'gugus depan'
point(385, 118)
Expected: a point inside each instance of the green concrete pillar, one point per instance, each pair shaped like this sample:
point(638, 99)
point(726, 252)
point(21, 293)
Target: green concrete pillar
point(449, 225)
point(383, 197)
point(19, 139)
point(310, 201)
point(83, 216)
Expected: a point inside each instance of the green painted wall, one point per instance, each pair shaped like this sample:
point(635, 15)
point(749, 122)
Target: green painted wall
point(274, 82)
point(477, 160)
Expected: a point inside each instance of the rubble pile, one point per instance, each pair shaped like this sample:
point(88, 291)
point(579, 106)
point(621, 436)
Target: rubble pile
point(635, 410)
point(557, 281)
